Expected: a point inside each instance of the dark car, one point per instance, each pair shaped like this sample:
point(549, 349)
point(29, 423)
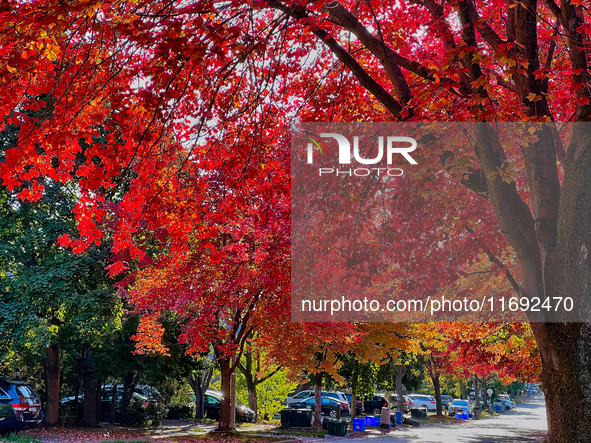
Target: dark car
point(328, 406)
point(139, 404)
point(358, 404)
point(213, 401)
point(20, 407)
point(374, 405)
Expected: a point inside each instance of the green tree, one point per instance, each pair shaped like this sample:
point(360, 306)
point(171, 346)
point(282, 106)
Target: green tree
point(45, 288)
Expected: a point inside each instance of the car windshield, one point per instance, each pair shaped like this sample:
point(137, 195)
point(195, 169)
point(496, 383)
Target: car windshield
point(460, 403)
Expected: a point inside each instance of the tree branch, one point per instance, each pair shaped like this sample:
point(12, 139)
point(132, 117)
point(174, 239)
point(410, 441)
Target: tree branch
point(384, 53)
point(365, 80)
point(493, 258)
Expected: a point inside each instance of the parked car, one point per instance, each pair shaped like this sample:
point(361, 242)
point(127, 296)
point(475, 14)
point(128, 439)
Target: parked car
point(299, 397)
point(374, 405)
point(20, 407)
point(138, 402)
point(416, 401)
point(358, 404)
point(446, 401)
point(394, 402)
point(303, 395)
point(213, 401)
point(509, 404)
point(328, 405)
point(460, 406)
point(336, 394)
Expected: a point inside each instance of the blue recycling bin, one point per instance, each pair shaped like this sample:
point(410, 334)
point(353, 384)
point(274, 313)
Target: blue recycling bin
point(359, 424)
point(398, 417)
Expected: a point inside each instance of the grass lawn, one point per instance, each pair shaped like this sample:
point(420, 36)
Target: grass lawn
point(18, 439)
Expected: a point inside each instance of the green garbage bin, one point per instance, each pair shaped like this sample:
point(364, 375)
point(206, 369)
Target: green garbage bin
point(337, 428)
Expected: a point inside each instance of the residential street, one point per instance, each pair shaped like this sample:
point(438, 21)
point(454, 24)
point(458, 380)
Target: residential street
point(527, 424)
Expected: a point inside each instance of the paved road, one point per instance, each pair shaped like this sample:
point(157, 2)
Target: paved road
point(527, 424)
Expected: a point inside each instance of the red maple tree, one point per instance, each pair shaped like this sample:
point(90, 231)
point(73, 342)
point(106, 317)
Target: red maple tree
point(143, 82)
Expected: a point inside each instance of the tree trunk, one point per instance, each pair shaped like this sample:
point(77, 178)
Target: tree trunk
point(51, 366)
point(195, 383)
point(401, 370)
point(77, 397)
point(354, 383)
point(463, 395)
point(437, 387)
point(113, 404)
point(484, 394)
point(226, 371)
point(253, 402)
point(566, 350)
point(89, 409)
point(251, 383)
point(318, 401)
point(130, 381)
point(199, 384)
point(476, 396)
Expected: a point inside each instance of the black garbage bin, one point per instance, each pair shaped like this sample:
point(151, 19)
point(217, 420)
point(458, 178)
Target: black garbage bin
point(285, 418)
point(418, 413)
point(301, 418)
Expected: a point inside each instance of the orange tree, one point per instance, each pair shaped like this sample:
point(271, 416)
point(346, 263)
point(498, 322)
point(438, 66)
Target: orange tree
point(317, 349)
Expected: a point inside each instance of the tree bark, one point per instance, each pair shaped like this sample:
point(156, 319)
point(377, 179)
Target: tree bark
point(130, 381)
point(565, 348)
point(401, 370)
point(199, 384)
point(318, 400)
point(354, 384)
point(51, 366)
point(89, 409)
point(226, 372)
point(437, 387)
point(251, 382)
point(199, 403)
point(476, 396)
point(113, 404)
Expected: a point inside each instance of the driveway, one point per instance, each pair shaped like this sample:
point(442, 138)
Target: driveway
point(526, 424)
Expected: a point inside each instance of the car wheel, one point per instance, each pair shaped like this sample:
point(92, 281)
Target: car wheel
point(377, 411)
point(425, 407)
point(333, 413)
point(507, 408)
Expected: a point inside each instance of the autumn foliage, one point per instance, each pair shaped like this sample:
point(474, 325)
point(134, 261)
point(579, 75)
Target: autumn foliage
point(173, 119)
